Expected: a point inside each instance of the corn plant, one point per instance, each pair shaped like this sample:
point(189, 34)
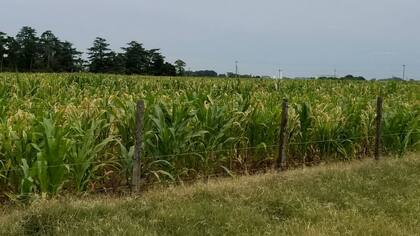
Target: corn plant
point(50, 163)
point(83, 154)
point(76, 131)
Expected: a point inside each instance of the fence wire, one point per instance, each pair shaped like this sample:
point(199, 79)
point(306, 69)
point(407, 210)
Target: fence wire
point(218, 151)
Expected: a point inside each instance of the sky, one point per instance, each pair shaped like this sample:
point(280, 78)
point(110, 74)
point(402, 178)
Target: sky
point(372, 38)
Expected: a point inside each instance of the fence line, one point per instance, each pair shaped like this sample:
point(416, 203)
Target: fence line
point(124, 188)
point(224, 150)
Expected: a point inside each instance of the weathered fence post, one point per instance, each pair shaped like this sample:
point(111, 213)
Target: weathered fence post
point(378, 134)
point(136, 179)
point(281, 159)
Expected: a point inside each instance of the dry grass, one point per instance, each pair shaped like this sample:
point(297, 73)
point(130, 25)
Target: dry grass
point(357, 198)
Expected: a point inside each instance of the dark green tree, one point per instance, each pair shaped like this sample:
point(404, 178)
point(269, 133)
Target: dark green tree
point(351, 77)
point(27, 52)
point(56, 55)
point(180, 67)
point(118, 63)
point(13, 50)
point(156, 62)
point(3, 49)
point(100, 56)
point(49, 48)
point(203, 73)
point(28, 42)
point(168, 70)
point(136, 58)
point(68, 58)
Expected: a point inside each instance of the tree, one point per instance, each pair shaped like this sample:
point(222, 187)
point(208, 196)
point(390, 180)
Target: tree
point(28, 52)
point(3, 49)
point(180, 67)
point(231, 74)
point(168, 69)
point(100, 56)
point(58, 56)
point(351, 77)
point(155, 62)
point(136, 58)
point(28, 42)
point(68, 58)
point(203, 73)
point(49, 47)
point(118, 61)
point(13, 49)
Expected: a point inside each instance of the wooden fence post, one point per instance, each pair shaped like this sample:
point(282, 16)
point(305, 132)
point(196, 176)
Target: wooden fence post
point(281, 159)
point(378, 134)
point(136, 179)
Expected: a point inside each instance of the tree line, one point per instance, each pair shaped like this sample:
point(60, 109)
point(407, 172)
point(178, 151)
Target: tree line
point(28, 52)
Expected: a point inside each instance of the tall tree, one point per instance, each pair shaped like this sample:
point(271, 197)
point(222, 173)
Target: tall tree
point(27, 52)
point(136, 58)
point(58, 56)
point(68, 58)
point(168, 69)
point(100, 56)
point(49, 47)
point(156, 62)
point(3, 49)
point(180, 67)
point(118, 61)
point(28, 42)
point(13, 50)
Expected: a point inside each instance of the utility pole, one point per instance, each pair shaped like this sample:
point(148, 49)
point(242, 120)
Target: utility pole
point(403, 72)
point(236, 68)
point(335, 73)
point(280, 74)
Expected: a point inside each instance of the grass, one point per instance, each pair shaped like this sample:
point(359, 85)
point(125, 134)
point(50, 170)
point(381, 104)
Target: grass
point(354, 198)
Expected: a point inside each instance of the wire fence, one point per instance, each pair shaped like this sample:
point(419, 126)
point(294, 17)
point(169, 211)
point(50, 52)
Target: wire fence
point(219, 151)
point(90, 110)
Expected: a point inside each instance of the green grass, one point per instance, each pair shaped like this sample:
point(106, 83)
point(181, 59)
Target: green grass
point(354, 198)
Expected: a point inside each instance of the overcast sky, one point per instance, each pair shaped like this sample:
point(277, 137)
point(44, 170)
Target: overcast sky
point(373, 38)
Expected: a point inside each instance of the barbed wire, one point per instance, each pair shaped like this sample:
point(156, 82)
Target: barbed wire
point(115, 189)
point(273, 146)
point(213, 151)
point(204, 178)
point(59, 106)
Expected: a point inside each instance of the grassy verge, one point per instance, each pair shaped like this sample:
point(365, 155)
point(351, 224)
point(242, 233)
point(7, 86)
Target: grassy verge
point(359, 198)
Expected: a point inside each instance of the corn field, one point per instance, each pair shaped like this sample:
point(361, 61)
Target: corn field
point(75, 132)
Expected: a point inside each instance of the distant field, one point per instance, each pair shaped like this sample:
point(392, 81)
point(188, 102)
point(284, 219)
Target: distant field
point(75, 132)
point(357, 198)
